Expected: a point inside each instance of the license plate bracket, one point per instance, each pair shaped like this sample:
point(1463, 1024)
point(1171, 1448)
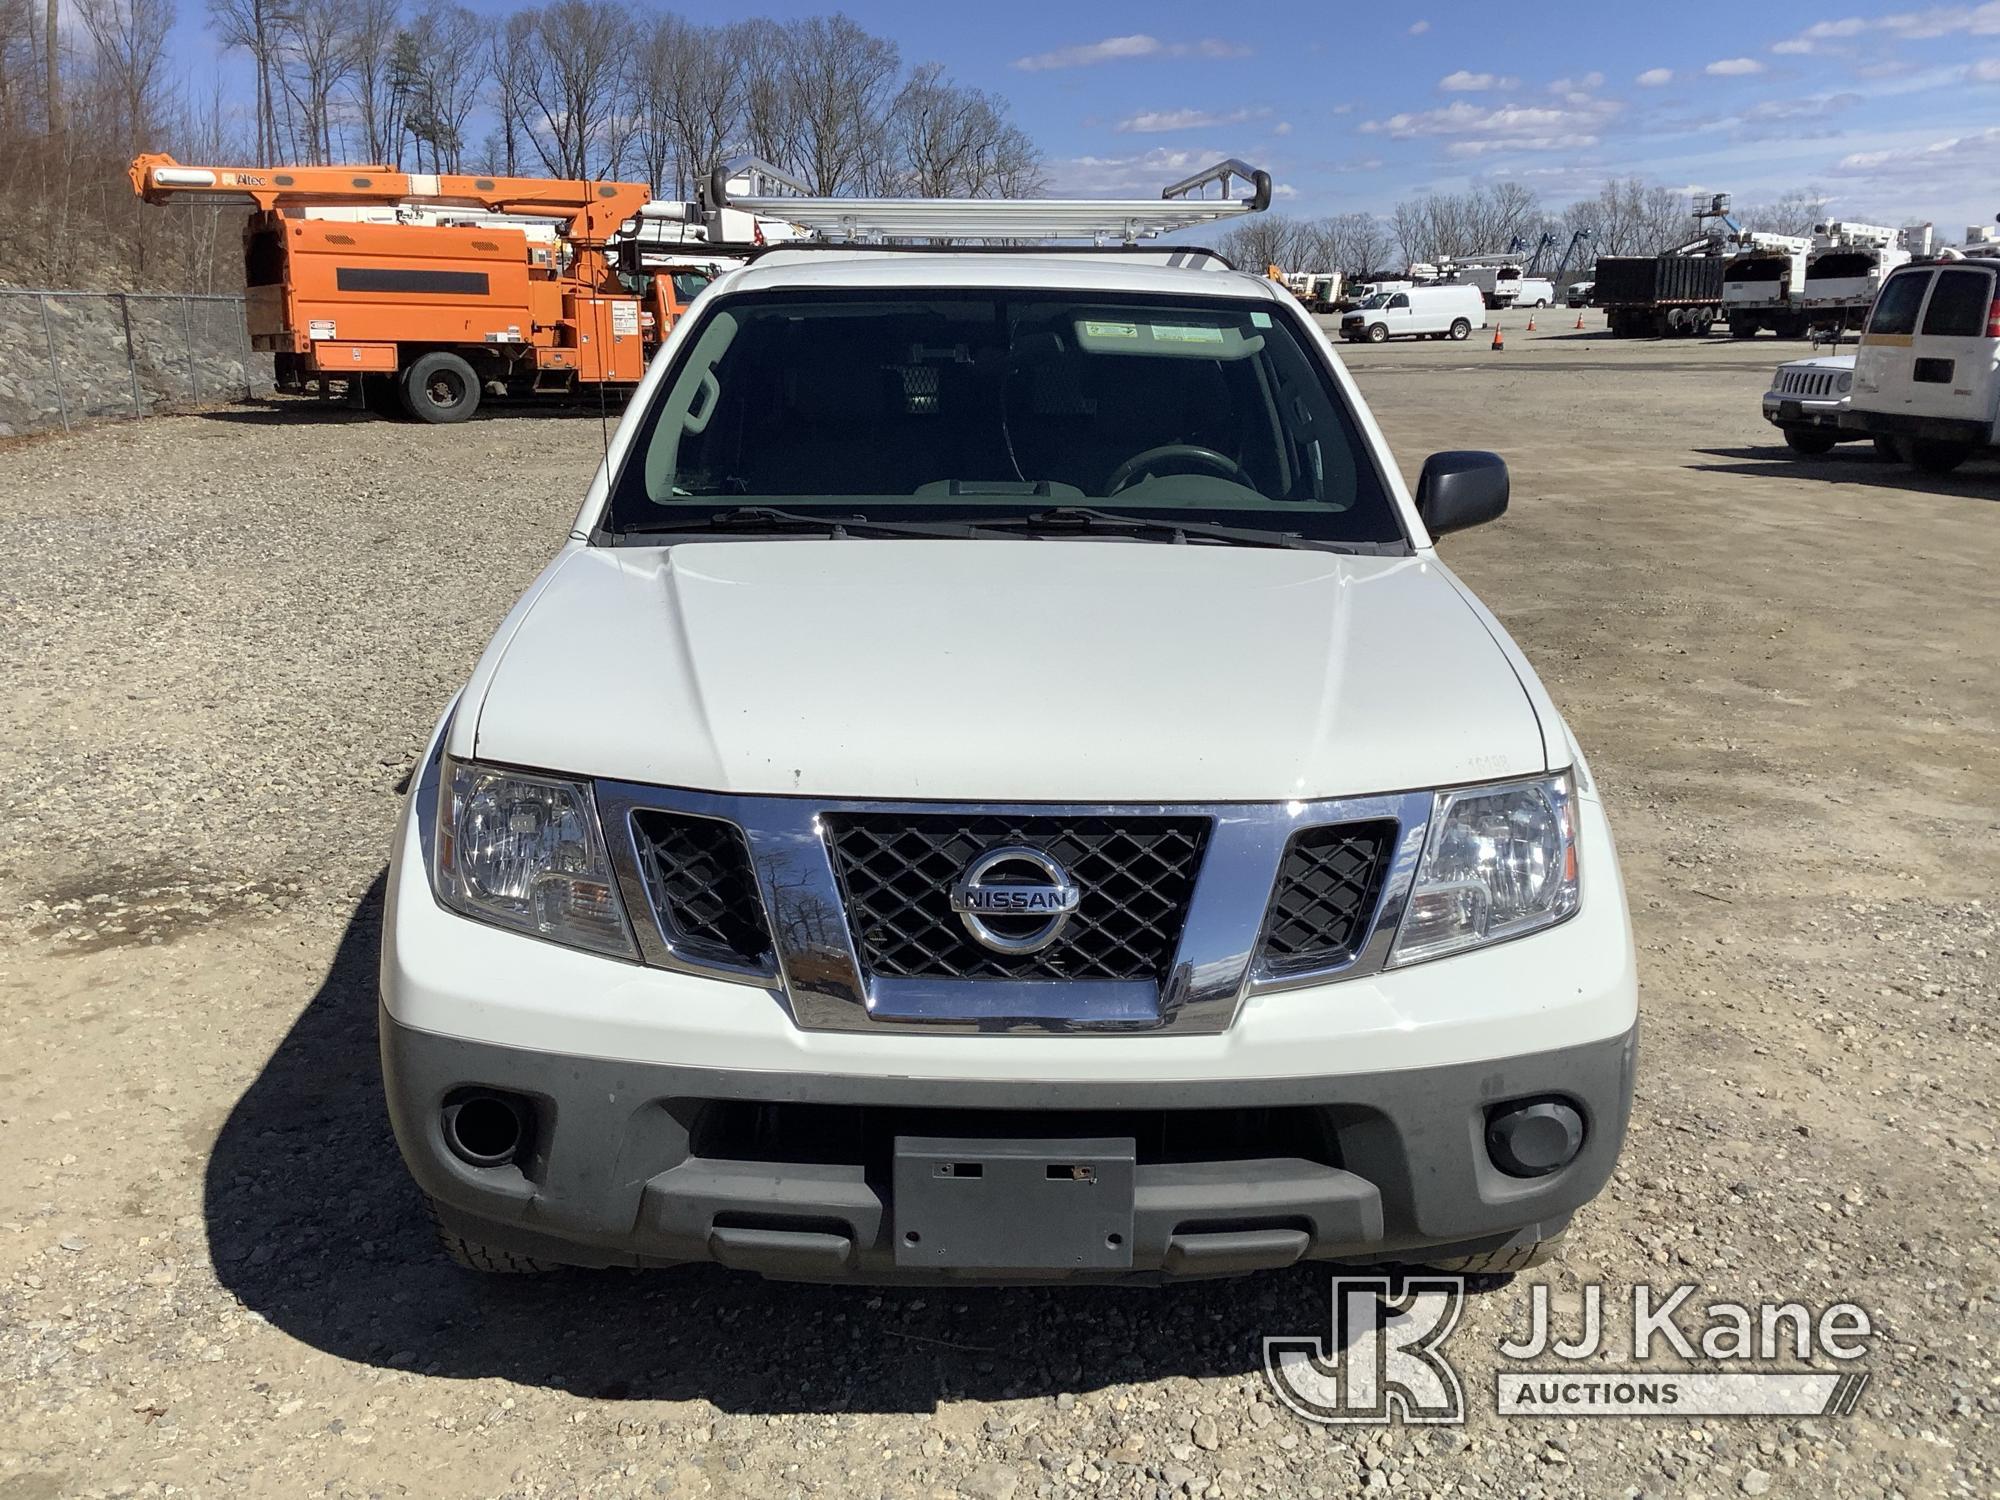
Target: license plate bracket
point(1000, 1205)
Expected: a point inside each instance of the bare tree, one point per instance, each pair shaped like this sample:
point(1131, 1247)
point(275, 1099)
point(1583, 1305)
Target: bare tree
point(129, 46)
point(19, 68)
point(509, 61)
point(947, 141)
point(652, 116)
point(575, 82)
point(841, 80)
point(1364, 243)
point(707, 89)
point(763, 56)
point(317, 58)
point(373, 27)
point(52, 60)
point(1259, 241)
point(440, 67)
point(1795, 212)
point(1350, 243)
point(256, 26)
point(1411, 225)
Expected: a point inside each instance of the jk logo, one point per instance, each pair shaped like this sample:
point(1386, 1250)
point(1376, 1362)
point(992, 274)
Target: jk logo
point(1381, 1363)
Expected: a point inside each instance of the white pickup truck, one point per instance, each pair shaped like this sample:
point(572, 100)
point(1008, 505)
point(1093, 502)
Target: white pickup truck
point(999, 785)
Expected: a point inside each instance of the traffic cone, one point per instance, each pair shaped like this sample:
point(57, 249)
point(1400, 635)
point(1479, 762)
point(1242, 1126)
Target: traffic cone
point(1531, 322)
point(1579, 318)
point(1498, 342)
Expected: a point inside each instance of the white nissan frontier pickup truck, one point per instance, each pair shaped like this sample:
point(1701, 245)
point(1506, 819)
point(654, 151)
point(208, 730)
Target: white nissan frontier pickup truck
point(1000, 785)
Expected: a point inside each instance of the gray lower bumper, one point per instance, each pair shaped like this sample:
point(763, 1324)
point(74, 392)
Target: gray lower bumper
point(624, 1163)
point(1924, 429)
point(1806, 414)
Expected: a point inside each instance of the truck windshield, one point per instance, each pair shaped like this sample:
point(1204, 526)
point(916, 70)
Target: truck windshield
point(1380, 299)
point(968, 405)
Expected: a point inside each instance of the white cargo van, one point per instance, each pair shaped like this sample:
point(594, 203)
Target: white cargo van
point(1535, 291)
point(1927, 374)
point(1435, 312)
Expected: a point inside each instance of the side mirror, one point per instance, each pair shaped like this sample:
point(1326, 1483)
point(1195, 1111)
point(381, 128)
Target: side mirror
point(1461, 488)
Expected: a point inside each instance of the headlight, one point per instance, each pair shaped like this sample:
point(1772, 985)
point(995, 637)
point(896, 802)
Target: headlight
point(1500, 861)
point(1846, 383)
point(525, 852)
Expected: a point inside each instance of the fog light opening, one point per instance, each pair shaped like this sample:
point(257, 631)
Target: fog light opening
point(484, 1129)
point(1533, 1138)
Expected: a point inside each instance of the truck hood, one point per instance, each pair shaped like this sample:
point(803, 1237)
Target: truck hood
point(1003, 670)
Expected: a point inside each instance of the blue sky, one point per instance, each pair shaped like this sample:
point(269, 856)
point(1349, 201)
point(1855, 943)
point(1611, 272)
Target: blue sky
point(1893, 111)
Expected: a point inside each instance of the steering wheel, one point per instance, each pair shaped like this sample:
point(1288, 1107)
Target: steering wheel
point(1186, 453)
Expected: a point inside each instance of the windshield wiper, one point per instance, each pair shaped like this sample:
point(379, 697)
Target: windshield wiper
point(1085, 519)
point(1057, 520)
point(766, 519)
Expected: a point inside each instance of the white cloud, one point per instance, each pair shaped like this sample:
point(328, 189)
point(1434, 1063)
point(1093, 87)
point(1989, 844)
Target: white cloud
point(1420, 28)
point(1577, 85)
point(1986, 70)
point(1914, 25)
point(1734, 67)
point(1652, 78)
point(1958, 148)
point(1140, 175)
point(1284, 190)
point(1472, 130)
point(1283, 127)
point(1801, 109)
point(1467, 150)
point(1125, 48)
point(1159, 121)
point(1463, 82)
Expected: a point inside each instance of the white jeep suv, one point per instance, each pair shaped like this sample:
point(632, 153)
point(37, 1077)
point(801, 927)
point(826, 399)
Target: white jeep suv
point(999, 785)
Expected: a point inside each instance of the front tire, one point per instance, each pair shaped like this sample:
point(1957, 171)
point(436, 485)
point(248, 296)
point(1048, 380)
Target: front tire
point(1934, 457)
point(440, 387)
point(470, 1255)
point(1885, 447)
point(1461, 330)
point(1502, 1262)
point(1805, 440)
point(1377, 334)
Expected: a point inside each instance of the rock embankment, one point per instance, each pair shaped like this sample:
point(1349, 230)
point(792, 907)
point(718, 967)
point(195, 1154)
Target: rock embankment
point(118, 354)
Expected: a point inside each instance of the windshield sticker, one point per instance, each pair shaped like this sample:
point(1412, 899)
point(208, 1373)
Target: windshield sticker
point(1186, 333)
point(1260, 320)
point(1110, 330)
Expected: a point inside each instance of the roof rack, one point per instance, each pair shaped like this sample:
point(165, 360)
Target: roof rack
point(1125, 220)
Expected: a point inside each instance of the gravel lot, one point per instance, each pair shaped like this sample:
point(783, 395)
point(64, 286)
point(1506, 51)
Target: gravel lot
point(227, 635)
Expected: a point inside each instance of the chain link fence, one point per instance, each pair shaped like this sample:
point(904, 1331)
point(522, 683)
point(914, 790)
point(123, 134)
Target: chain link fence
point(70, 358)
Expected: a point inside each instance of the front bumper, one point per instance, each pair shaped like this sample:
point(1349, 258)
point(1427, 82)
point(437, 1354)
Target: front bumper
point(672, 1117)
point(1790, 411)
point(791, 1175)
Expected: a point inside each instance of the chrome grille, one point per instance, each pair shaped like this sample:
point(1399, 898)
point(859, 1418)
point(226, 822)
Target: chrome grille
point(1137, 874)
point(1328, 884)
point(843, 908)
point(698, 873)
